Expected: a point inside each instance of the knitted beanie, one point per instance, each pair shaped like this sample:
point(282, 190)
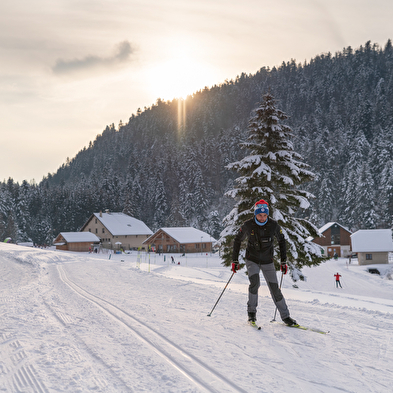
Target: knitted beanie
point(261, 207)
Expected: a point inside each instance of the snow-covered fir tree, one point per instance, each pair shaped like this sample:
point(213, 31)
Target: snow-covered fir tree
point(385, 195)
point(273, 171)
point(354, 176)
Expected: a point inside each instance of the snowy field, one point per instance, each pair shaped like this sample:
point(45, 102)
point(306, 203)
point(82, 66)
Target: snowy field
point(74, 322)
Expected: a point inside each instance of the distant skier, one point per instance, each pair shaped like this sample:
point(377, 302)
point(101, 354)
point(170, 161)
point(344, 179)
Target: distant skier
point(260, 231)
point(338, 280)
point(173, 259)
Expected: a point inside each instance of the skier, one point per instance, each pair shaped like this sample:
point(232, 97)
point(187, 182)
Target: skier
point(338, 280)
point(260, 232)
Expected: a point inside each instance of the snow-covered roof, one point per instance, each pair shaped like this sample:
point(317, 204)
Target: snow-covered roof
point(185, 235)
point(76, 237)
point(120, 224)
point(372, 240)
point(329, 224)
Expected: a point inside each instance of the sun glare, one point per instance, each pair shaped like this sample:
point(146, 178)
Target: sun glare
point(179, 77)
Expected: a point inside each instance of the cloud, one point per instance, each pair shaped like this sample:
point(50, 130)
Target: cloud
point(122, 54)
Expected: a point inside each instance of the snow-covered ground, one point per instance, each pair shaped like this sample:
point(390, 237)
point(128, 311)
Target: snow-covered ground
point(73, 322)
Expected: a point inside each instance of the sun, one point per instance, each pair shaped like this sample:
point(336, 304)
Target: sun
point(179, 77)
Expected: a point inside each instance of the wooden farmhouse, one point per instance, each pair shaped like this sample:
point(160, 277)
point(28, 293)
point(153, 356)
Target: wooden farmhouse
point(180, 240)
point(118, 230)
point(372, 245)
point(76, 241)
point(335, 239)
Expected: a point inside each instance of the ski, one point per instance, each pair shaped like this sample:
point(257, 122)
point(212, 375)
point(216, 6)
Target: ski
point(254, 325)
point(304, 328)
point(307, 328)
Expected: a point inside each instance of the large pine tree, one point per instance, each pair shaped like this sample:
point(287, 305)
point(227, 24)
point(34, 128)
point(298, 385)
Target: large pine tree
point(273, 171)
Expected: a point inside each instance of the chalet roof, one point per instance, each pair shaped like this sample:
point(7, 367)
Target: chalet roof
point(185, 235)
point(330, 224)
point(120, 224)
point(79, 237)
point(372, 240)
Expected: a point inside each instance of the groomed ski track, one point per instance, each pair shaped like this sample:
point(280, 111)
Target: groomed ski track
point(203, 376)
point(82, 323)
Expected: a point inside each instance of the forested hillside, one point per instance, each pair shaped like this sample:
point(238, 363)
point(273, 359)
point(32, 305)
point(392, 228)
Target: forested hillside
point(166, 165)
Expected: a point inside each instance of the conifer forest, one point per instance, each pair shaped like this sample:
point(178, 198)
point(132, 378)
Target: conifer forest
point(167, 164)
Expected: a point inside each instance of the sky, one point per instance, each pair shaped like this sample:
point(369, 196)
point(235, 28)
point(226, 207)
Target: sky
point(69, 68)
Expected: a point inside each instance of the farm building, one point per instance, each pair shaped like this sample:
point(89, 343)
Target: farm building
point(181, 240)
point(76, 241)
point(117, 230)
point(372, 245)
point(335, 239)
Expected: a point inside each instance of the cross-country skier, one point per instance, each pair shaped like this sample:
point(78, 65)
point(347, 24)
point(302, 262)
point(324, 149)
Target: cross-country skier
point(260, 232)
point(338, 280)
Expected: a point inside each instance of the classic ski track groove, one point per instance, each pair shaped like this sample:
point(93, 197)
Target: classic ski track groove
point(185, 363)
point(22, 376)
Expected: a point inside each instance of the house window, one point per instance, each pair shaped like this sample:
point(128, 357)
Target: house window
point(103, 230)
point(96, 221)
point(89, 229)
point(369, 257)
point(96, 230)
point(335, 234)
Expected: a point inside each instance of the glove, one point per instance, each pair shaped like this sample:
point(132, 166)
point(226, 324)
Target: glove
point(235, 266)
point(284, 267)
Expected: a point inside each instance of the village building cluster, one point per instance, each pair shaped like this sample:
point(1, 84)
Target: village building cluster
point(120, 232)
point(369, 246)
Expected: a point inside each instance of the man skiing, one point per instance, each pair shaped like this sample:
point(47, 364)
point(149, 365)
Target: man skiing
point(338, 280)
point(260, 232)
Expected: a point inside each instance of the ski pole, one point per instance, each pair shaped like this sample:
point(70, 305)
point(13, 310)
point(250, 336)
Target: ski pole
point(275, 312)
point(230, 278)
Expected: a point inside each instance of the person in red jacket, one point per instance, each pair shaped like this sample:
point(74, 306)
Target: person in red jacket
point(338, 280)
